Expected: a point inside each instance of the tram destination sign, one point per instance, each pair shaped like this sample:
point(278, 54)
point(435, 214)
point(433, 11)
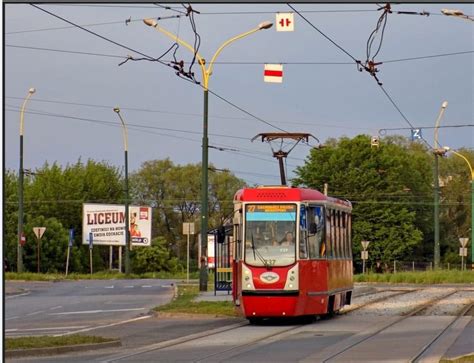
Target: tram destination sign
point(267, 212)
point(106, 222)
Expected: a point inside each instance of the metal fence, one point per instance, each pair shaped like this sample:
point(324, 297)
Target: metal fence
point(413, 266)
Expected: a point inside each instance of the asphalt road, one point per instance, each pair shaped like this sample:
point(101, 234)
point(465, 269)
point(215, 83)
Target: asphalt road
point(67, 307)
point(207, 339)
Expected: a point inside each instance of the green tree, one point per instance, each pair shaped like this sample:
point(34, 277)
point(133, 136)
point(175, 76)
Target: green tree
point(455, 204)
point(56, 193)
point(155, 258)
point(175, 192)
point(53, 245)
point(389, 187)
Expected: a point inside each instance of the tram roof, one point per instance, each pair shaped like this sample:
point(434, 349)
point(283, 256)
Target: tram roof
point(284, 194)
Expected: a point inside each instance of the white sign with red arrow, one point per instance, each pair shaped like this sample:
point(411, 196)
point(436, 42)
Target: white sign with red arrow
point(273, 73)
point(284, 22)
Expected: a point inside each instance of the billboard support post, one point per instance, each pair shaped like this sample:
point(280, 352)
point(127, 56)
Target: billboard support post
point(69, 245)
point(91, 244)
point(111, 253)
point(120, 259)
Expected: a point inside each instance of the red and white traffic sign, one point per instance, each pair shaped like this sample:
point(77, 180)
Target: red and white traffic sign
point(284, 22)
point(39, 231)
point(273, 73)
point(22, 239)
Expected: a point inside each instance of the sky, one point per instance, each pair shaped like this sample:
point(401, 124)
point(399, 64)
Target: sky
point(71, 114)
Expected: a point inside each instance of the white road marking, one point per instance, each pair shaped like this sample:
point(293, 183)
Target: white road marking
point(12, 297)
point(103, 326)
point(147, 286)
point(56, 307)
point(95, 311)
point(109, 287)
point(128, 287)
point(13, 317)
point(35, 313)
point(52, 328)
point(166, 285)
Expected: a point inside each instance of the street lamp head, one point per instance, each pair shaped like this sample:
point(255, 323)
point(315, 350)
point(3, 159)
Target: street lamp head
point(32, 90)
point(445, 104)
point(116, 109)
point(265, 25)
point(450, 12)
point(150, 22)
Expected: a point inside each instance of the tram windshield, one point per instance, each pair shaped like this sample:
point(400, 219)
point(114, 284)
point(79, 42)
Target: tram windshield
point(270, 234)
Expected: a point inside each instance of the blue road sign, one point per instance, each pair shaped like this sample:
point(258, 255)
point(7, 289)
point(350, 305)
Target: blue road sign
point(71, 237)
point(91, 240)
point(415, 134)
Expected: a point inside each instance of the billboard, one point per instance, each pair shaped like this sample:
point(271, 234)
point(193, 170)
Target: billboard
point(106, 222)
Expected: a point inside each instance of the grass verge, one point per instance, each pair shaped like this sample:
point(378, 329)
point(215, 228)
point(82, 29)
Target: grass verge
point(184, 303)
point(423, 277)
point(105, 275)
point(49, 341)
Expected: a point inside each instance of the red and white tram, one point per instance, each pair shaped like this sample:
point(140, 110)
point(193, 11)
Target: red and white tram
point(292, 252)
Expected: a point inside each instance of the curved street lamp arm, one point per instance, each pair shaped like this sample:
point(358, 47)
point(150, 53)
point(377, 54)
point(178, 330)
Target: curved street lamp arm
point(441, 112)
point(124, 129)
point(154, 24)
point(467, 161)
point(22, 112)
point(225, 44)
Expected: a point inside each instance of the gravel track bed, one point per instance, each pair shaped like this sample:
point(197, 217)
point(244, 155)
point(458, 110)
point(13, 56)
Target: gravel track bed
point(359, 301)
point(403, 304)
point(452, 305)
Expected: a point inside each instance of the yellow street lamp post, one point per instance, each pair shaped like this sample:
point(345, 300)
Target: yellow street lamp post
point(472, 200)
point(206, 73)
point(21, 238)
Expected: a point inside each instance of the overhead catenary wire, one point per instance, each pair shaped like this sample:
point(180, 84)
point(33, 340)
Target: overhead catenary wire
point(138, 127)
point(42, 100)
point(309, 63)
point(358, 63)
point(160, 62)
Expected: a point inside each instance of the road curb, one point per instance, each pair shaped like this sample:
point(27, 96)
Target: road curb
point(19, 353)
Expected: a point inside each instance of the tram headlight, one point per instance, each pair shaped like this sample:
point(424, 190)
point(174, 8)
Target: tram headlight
point(247, 278)
point(292, 282)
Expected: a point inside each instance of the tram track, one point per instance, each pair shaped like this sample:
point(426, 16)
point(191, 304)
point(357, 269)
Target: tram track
point(239, 339)
point(430, 344)
point(350, 309)
point(367, 335)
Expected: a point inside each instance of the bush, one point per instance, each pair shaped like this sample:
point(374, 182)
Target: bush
point(154, 258)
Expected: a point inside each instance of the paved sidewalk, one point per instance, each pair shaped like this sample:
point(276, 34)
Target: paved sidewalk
point(219, 296)
point(464, 344)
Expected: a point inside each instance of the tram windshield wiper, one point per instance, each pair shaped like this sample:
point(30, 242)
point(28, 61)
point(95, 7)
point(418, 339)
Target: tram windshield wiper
point(259, 255)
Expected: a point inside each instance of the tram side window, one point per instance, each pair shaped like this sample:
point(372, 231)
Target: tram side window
point(331, 241)
point(346, 234)
point(349, 234)
point(303, 233)
point(343, 234)
point(315, 231)
point(337, 226)
point(325, 248)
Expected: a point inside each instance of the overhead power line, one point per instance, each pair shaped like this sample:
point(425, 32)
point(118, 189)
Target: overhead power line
point(359, 64)
point(302, 63)
point(142, 128)
point(160, 62)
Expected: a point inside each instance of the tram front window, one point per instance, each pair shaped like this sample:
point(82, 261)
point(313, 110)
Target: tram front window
point(270, 234)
